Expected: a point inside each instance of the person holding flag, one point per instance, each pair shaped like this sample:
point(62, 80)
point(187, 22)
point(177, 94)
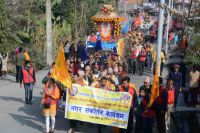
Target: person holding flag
point(161, 107)
point(147, 108)
point(49, 101)
point(147, 114)
point(60, 74)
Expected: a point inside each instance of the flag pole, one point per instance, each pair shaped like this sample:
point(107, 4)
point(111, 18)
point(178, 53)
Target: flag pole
point(160, 33)
point(66, 103)
point(167, 32)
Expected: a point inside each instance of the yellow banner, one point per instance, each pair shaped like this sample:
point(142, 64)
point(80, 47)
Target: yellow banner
point(98, 106)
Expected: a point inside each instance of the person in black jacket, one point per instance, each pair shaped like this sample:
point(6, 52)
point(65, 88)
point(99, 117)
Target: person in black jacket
point(176, 77)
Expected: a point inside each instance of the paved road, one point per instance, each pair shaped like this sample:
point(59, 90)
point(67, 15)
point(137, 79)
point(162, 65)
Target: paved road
point(18, 117)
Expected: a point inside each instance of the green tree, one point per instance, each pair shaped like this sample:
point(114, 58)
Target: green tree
point(193, 51)
point(23, 23)
point(2, 23)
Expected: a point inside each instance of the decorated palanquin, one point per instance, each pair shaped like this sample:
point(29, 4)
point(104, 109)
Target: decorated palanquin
point(107, 23)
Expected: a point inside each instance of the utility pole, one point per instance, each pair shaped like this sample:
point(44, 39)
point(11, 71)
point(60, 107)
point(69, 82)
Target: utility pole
point(168, 23)
point(172, 4)
point(127, 17)
point(49, 32)
point(160, 34)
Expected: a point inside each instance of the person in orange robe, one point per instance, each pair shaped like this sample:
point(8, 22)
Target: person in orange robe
point(50, 96)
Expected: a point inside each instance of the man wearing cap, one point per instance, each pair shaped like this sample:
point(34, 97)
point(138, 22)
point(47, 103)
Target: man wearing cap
point(147, 113)
point(147, 85)
point(176, 76)
point(27, 76)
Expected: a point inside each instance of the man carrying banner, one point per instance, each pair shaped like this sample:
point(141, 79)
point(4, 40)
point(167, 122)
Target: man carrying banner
point(125, 87)
point(104, 86)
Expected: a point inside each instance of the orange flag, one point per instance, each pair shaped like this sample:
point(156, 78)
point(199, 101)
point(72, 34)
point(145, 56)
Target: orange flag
point(155, 87)
point(137, 21)
point(27, 57)
point(60, 71)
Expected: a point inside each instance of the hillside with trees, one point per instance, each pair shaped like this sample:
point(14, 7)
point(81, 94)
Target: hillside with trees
point(23, 23)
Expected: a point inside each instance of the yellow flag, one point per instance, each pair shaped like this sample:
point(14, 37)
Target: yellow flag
point(60, 71)
point(155, 87)
point(27, 57)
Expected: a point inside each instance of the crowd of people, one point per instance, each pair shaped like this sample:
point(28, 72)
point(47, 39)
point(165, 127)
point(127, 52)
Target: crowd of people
point(142, 57)
point(105, 71)
point(110, 75)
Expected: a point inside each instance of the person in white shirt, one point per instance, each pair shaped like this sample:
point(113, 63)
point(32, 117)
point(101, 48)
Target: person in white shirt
point(194, 85)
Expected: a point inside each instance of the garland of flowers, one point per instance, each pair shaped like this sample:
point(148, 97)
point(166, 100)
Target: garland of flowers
point(106, 9)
